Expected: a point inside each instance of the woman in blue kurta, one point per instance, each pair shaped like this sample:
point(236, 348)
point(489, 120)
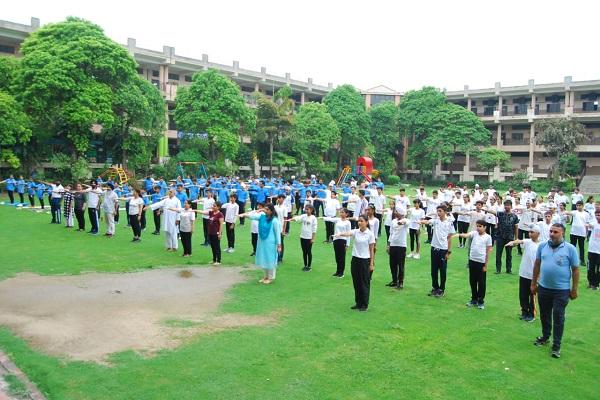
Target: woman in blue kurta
point(269, 241)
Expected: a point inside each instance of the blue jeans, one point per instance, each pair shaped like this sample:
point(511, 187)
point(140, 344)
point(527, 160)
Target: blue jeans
point(552, 312)
point(438, 264)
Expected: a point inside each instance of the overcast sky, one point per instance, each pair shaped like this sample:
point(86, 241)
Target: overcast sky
point(403, 45)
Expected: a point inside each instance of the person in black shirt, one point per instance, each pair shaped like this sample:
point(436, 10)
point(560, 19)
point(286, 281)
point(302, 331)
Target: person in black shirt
point(507, 231)
point(79, 207)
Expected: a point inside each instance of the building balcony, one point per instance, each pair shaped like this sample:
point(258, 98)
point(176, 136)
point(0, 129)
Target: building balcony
point(516, 142)
point(549, 108)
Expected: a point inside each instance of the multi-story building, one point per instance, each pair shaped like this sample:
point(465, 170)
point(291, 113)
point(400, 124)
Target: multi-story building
point(510, 112)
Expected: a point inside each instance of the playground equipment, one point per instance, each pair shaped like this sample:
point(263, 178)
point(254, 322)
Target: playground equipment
point(343, 175)
point(114, 172)
point(363, 167)
point(201, 169)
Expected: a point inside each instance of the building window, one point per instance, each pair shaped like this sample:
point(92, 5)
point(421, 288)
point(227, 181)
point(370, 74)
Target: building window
point(380, 98)
point(474, 110)
point(553, 107)
point(156, 83)
point(188, 78)
point(155, 73)
point(520, 109)
point(173, 77)
point(488, 111)
point(172, 125)
point(140, 71)
point(7, 49)
point(517, 136)
point(590, 106)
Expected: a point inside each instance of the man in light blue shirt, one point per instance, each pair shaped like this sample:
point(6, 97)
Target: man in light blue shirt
point(557, 268)
point(21, 189)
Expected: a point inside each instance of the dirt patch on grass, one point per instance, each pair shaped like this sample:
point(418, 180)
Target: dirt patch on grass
point(90, 316)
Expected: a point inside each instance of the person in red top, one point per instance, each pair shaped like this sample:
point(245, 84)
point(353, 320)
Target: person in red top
point(215, 224)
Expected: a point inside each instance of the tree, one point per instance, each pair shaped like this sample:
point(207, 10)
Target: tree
point(569, 165)
point(347, 107)
point(315, 133)
point(274, 119)
point(559, 137)
point(214, 105)
point(9, 68)
point(140, 120)
point(385, 136)
point(490, 158)
point(70, 72)
point(15, 128)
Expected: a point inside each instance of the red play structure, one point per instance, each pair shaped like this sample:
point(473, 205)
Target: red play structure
point(364, 167)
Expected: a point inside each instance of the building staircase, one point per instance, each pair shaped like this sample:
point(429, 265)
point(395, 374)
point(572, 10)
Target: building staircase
point(590, 183)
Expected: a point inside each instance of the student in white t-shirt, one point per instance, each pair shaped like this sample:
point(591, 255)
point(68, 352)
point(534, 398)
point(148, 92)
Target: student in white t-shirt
point(362, 265)
point(136, 206)
point(441, 243)
point(308, 233)
point(415, 214)
point(342, 225)
point(186, 227)
point(397, 250)
point(575, 197)
point(330, 210)
point(530, 247)
point(479, 254)
point(545, 226)
point(254, 227)
point(593, 274)
point(232, 210)
point(579, 222)
point(388, 215)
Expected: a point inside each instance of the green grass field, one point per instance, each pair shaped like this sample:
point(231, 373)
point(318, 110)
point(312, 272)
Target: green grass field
point(408, 345)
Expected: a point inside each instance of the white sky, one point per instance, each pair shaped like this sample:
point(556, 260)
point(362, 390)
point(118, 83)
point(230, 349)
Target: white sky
point(403, 45)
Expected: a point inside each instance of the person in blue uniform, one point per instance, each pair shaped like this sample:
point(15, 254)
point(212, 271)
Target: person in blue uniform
point(40, 188)
point(31, 192)
point(21, 189)
point(181, 194)
point(10, 188)
point(242, 198)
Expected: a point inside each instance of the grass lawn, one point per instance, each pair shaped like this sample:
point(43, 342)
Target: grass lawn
point(408, 345)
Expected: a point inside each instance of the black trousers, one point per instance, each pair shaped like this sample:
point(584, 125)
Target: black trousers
point(31, 200)
point(593, 274)
point(380, 218)
point(526, 299)
point(306, 245)
point(439, 265)
point(254, 242)
point(287, 226)
point(491, 230)
point(230, 228)
point(41, 199)
point(353, 224)
point(186, 241)
point(22, 200)
point(429, 231)
point(500, 243)
point(579, 241)
point(93, 216)
point(477, 281)
point(455, 223)
point(522, 235)
point(215, 246)
point(11, 196)
point(339, 248)
point(329, 227)
point(143, 220)
point(361, 279)
point(80, 216)
point(55, 210)
point(205, 230)
point(156, 216)
point(387, 233)
point(397, 259)
point(552, 312)
point(414, 240)
point(463, 227)
point(134, 222)
point(280, 254)
point(242, 208)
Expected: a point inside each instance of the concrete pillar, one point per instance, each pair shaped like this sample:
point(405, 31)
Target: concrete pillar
point(500, 105)
point(469, 103)
point(302, 98)
point(533, 101)
point(256, 167)
point(367, 100)
point(499, 137)
point(531, 148)
point(496, 174)
point(256, 87)
point(467, 177)
point(163, 77)
point(397, 99)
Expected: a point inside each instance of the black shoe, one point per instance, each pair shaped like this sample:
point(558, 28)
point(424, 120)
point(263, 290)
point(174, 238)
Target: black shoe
point(400, 286)
point(253, 254)
point(540, 341)
point(432, 293)
point(308, 269)
point(392, 284)
point(304, 269)
point(555, 352)
point(509, 272)
point(362, 309)
point(354, 307)
point(497, 272)
point(335, 275)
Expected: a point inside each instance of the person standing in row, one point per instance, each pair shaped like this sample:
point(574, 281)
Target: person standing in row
point(269, 241)
point(93, 204)
point(308, 232)
point(340, 245)
point(31, 192)
point(21, 189)
point(580, 220)
point(79, 207)
point(479, 254)
point(187, 216)
point(526, 297)
point(330, 210)
point(215, 226)
point(68, 207)
point(396, 249)
point(441, 243)
point(170, 219)
point(155, 198)
point(56, 194)
point(507, 231)
point(40, 188)
point(136, 207)
point(415, 214)
point(362, 264)
point(207, 204)
point(231, 214)
point(593, 274)
point(110, 205)
point(557, 268)
point(254, 228)
point(10, 188)
point(281, 212)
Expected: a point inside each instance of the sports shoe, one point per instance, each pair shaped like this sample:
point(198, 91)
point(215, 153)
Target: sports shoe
point(391, 284)
point(308, 269)
point(411, 255)
point(335, 275)
point(528, 318)
point(340, 276)
point(216, 263)
point(417, 256)
point(363, 309)
point(355, 307)
point(540, 341)
point(555, 351)
point(432, 292)
point(481, 306)
point(304, 268)
point(400, 286)
point(471, 304)
point(231, 250)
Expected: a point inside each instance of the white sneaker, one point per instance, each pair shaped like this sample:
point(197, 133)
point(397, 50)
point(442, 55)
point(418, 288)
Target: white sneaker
point(410, 255)
point(417, 256)
point(216, 263)
point(227, 250)
point(231, 250)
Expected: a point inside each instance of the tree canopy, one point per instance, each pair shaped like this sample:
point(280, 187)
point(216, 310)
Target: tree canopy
point(385, 135)
point(559, 137)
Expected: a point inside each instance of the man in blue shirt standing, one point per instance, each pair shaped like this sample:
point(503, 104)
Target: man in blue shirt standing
point(10, 188)
point(21, 189)
point(557, 268)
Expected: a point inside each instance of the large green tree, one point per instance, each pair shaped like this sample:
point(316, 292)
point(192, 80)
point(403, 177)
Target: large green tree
point(15, 129)
point(559, 137)
point(214, 105)
point(140, 120)
point(347, 107)
point(274, 119)
point(385, 136)
point(490, 158)
point(70, 74)
point(315, 134)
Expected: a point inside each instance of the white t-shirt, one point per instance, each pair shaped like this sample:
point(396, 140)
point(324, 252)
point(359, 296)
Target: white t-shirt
point(379, 202)
point(432, 205)
point(474, 217)
point(423, 198)
point(464, 207)
point(387, 217)
point(58, 190)
point(441, 230)
point(352, 199)
point(331, 207)
point(341, 227)
point(415, 216)
point(544, 230)
point(207, 204)
point(561, 199)
point(580, 219)
point(231, 212)
point(94, 197)
point(374, 226)
point(309, 225)
point(185, 219)
point(398, 232)
point(527, 218)
point(135, 205)
point(575, 197)
point(281, 211)
point(402, 203)
point(457, 202)
point(108, 204)
point(362, 240)
point(254, 224)
point(594, 243)
point(479, 245)
point(530, 250)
